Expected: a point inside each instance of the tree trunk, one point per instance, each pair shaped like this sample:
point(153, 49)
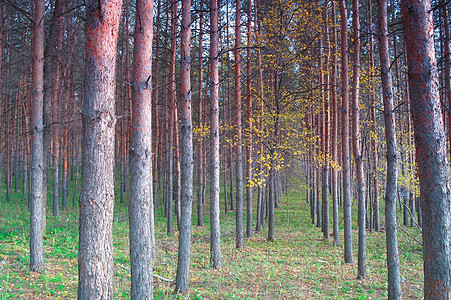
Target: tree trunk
point(345, 134)
point(356, 142)
point(394, 286)
point(215, 231)
point(249, 229)
point(325, 192)
point(200, 167)
point(141, 204)
point(37, 215)
point(239, 139)
point(95, 254)
point(430, 143)
point(55, 127)
point(333, 83)
point(186, 143)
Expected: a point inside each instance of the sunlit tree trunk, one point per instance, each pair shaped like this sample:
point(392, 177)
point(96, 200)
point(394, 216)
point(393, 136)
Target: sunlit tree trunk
point(394, 285)
point(430, 142)
point(95, 253)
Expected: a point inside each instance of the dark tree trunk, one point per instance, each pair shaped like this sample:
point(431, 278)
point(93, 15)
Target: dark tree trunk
point(325, 192)
point(430, 143)
point(186, 144)
point(215, 231)
point(345, 134)
point(95, 253)
point(141, 204)
point(37, 215)
point(394, 285)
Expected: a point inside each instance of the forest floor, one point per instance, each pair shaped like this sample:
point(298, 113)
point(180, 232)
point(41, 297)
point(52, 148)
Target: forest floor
point(299, 264)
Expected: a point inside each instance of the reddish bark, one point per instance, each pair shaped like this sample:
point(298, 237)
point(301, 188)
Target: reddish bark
point(37, 160)
point(430, 143)
point(141, 204)
point(95, 253)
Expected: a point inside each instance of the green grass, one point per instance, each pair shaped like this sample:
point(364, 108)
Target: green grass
point(299, 264)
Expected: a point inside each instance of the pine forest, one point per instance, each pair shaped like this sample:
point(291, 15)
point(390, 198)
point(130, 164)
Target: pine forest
point(225, 149)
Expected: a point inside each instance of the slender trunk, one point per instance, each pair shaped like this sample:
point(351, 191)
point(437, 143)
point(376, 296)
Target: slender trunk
point(183, 263)
point(141, 204)
point(36, 179)
point(345, 134)
point(358, 157)
point(333, 83)
point(95, 253)
point(249, 229)
point(200, 167)
point(215, 233)
point(55, 128)
point(394, 285)
point(239, 138)
point(326, 153)
point(430, 143)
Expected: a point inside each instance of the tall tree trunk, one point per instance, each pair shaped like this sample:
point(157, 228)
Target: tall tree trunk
point(249, 113)
point(37, 215)
point(55, 105)
point(430, 143)
point(95, 253)
point(239, 138)
point(325, 192)
point(345, 134)
point(186, 143)
point(374, 222)
point(394, 285)
point(200, 167)
point(356, 142)
point(333, 83)
point(141, 204)
point(215, 231)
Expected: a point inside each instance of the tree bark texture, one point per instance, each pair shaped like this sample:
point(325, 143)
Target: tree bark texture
point(356, 142)
point(215, 232)
point(37, 215)
point(394, 284)
point(186, 144)
point(430, 143)
point(345, 134)
point(239, 138)
point(95, 254)
point(141, 204)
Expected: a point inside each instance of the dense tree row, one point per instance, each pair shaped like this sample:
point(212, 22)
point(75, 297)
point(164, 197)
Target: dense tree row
point(174, 101)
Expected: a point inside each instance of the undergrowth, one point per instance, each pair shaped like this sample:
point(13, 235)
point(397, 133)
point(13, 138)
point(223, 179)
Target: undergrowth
point(299, 264)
